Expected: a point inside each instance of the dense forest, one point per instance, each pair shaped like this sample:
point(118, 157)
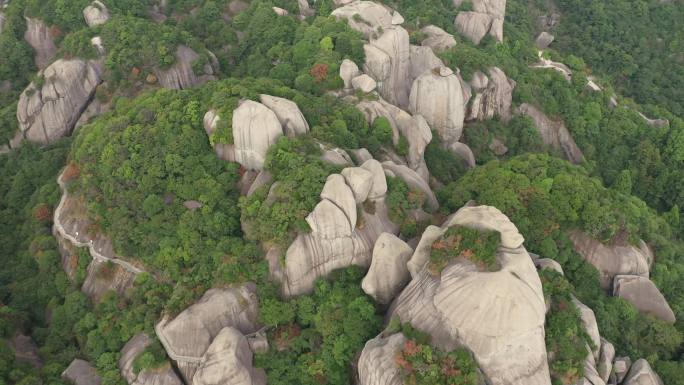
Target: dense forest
point(151, 175)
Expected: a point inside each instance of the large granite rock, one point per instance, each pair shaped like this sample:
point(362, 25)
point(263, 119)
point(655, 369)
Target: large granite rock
point(367, 17)
point(388, 62)
point(437, 38)
point(604, 365)
point(49, 111)
point(107, 271)
point(162, 375)
point(96, 13)
point(348, 71)
point(38, 36)
point(641, 374)
point(437, 96)
point(495, 97)
point(612, 260)
point(187, 337)
point(339, 236)
point(255, 129)
point(290, 117)
point(644, 295)
point(377, 364)
point(499, 315)
point(590, 325)
point(621, 367)
point(228, 360)
point(414, 128)
point(487, 17)
point(422, 59)
point(553, 133)
point(388, 273)
point(81, 372)
point(544, 40)
point(181, 74)
point(364, 83)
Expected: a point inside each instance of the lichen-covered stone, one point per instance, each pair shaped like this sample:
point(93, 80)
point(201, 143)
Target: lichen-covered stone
point(255, 129)
point(228, 360)
point(644, 295)
point(291, 118)
point(96, 14)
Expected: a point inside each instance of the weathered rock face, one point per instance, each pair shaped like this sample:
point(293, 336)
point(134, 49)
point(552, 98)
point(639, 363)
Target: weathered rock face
point(437, 96)
point(338, 237)
point(81, 372)
point(414, 128)
point(372, 17)
point(290, 117)
point(462, 150)
point(255, 129)
point(611, 260)
point(107, 271)
point(228, 360)
point(437, 38)
point(388, 273)
point(553, 133)
point(645, 296)
point(364, 83)
point(49, 111)
point(348, 71)
point(589, 322)
point(422, 59)
point(604, 365)
point(496, 96)
point(498, 315)
point(641, 374)
point(544, 40)
point(388, 62)
point(38, 36)
point(181, 75)
point(487, 17)
point(376, 363)
point(187, 337)
point(162, 375)
point(96, 14)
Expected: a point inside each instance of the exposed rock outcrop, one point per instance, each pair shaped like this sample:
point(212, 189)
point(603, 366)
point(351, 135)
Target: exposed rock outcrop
point(544, 40)
point(462, 150)
point(290, 117)
point(553, 133)
point(499, 315)
point(339, 237)
point(376, 363)
point(81, 372)
point(107, 271)
point(612, 260)
point(388, 273)
point(437, 96)
point(367, 17)
point(437, 38)
point(493, 96)
point(96, 13)
point(414, 128)
point(644, 295)
point(49, 111)
point(228, 360)
point(364, 83)
point(641, 374)
point(388, 62)
point(162, 375)
point(487, 17)
point(348, 71)
point(38, 36)
point(255, 129)
point(187, 337)
point(181, 75)
point(422, 59)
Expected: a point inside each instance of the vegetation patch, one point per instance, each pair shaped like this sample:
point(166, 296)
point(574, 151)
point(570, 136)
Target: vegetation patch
point(477, 246)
